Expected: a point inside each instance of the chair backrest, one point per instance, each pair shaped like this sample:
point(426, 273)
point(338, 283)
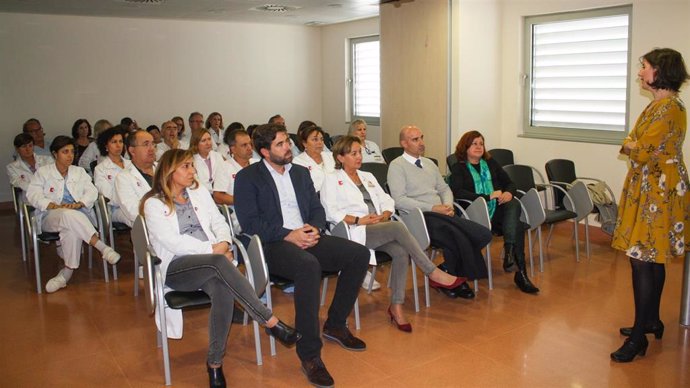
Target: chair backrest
point(502, 156)
point(532, 205)
point(560, 170)
point(451, 160)
point(103, 214)
point(255, 263)
point(521, 175)
point(335, 138)
point(380, 172)
point(16, 199)
point(341, 230)
point(433, 160)
point(478, 212)
point(295, 140)
point(391, 153)
point(140, 243)
point(414, 221)
point(583, 202)
point(93, 165)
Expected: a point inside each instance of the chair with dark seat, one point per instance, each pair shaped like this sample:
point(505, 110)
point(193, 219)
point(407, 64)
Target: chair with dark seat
point(503, 156)
point(380, 172)
point(391, 153)
point(451, 160)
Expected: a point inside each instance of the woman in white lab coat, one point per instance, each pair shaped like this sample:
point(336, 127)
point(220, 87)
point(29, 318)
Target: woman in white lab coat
point(206, 161)
point(319, 161)
point(192, 239)
point(355, 197)
point(22, 170)
point(111, 146)
point(63, 196)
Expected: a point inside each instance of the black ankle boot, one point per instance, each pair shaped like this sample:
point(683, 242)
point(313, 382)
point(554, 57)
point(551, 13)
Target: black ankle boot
point(630, 349)
point(216, 378)
point(509, 263)
point(657, 329)
point(524, 284)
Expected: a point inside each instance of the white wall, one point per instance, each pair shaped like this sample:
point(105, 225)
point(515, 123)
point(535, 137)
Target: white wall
point(60, 68)
point(488, 61)
point(335, 72)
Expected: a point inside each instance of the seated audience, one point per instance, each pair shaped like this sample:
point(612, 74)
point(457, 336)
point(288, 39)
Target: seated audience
point(63, 196)
point(371, 152)
point(356, 198)
point(181, 134)
point(156, 133)
point(111, 146)
point(318, 161)
point(23, 169)
point(132, 183)
point(214, 126)
point(128, 124)
point(170, 139)
point(278, 119)
point(250, 130)
point(477, 175)
point(208, 163)
point(34, 128)
point(81, 133)
point(223, 148)
point(302, 126)
point(196, 123)
point(278, 203)
point(91, 153)
point(193, 241)
point(416, 182)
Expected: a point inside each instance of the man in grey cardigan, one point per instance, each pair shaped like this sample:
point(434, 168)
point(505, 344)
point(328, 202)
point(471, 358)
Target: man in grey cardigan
point(416, 182)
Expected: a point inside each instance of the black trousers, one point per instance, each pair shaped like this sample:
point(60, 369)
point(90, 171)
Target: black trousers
point(462, 242)
point(506, 222)
point(304, 267)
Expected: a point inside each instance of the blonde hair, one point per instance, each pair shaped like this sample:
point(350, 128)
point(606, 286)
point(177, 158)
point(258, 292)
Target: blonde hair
point(162, 179)
point(354, 124)
point(196, 139)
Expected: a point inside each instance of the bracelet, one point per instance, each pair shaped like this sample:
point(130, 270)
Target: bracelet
point(356, 220)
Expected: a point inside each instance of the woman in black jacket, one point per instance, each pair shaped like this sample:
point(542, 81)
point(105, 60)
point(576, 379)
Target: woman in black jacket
point(477, 175)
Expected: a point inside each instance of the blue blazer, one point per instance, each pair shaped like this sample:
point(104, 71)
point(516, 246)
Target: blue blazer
point(257, 203)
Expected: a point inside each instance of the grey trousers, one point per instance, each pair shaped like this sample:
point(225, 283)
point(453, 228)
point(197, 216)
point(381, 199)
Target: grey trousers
point(394, 239)
point(217, 277)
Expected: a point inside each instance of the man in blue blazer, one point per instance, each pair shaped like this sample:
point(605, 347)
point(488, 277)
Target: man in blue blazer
point(276, 200)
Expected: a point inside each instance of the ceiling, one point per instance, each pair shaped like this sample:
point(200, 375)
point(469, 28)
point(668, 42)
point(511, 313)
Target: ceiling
point(298, 11)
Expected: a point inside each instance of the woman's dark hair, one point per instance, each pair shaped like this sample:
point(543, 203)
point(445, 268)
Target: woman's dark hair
point(105, 136)
point(22, 139)
point(251, 128)
point(77, 124)
point(343, 147)
point(465, 143)
point(670, 68)
point(264, 135)
point(60, 142)
point(153, 127)
point(304, 134)
point(234, 125)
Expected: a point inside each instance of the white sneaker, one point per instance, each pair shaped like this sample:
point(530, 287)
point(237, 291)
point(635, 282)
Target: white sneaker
point(367, 279)
point(110, 255)
point(55, 284)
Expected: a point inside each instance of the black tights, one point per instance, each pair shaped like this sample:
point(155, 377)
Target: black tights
point(648, 283)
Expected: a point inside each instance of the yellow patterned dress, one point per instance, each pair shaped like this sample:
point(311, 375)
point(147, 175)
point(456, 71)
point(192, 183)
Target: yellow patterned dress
point(653, 216)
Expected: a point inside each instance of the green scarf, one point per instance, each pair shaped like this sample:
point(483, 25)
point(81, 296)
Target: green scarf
point(483, 183)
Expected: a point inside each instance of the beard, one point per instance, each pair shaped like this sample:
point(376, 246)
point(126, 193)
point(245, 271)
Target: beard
point(280, 161)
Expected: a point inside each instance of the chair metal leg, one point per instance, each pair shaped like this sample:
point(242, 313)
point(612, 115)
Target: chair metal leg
point(269, 304)
point(427, 297)
point(531, 258)
point(136, 275)
point(548, 238)
point(357, 325)
point(23, 233)
point(160, 303)
point(324, 288)
point(587, 237)
point(370, 287)
point(257, 344)
point(577, 241)
point(541, 252)
point(415, 291)
point(37, 265)
point(115, 272)
point(488, 266)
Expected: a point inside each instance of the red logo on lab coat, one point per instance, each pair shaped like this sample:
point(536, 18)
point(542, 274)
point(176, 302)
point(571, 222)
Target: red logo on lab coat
point(52, 189)
point(340, 183)
point(309, 168)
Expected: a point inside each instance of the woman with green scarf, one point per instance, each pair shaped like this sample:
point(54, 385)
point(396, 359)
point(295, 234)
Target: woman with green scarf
point(477, 175)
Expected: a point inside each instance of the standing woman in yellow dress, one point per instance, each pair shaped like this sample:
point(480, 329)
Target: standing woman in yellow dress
point(653, 215)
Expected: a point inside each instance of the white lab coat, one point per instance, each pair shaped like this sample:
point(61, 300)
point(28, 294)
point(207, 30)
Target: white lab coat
point(20, 174)
point(130, 187)
point(371, 153)
point(90, 154)
point(104, 176)
point(216, 137)
point(168, 242)
point(162, 147)
point(341, 197)
point(317, 171)
point(202, 170)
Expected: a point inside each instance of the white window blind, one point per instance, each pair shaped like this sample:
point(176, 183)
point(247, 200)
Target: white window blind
point(366, 89)
point(579, 72)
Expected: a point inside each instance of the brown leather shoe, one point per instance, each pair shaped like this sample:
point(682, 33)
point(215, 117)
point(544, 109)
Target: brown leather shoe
point(344, 338)
point(316, 373)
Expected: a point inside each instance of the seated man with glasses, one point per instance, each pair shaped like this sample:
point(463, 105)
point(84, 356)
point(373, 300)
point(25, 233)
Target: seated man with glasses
point(135, 181)
point(34, 128)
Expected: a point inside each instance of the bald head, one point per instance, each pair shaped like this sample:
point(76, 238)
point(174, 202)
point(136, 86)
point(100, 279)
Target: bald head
point(412, 140)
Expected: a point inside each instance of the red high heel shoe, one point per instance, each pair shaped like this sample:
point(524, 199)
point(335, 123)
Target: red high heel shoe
point(458, 281)
point(406, 327)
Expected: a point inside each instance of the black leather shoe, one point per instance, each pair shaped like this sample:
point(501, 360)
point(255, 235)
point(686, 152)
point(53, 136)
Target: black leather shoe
point(216, 379)
point(287, 335)
point(524, 284)
point(630, 349)
point(449, 293)
point(316, 373)
point(344, 338)
point(464, 291)
point(657, 329)
point(509, 263)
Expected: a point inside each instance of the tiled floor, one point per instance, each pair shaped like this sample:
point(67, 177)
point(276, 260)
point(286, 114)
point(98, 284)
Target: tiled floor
point(94, 334)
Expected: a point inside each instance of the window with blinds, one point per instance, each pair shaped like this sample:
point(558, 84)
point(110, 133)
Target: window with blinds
point(578, 75)
point(365, 87)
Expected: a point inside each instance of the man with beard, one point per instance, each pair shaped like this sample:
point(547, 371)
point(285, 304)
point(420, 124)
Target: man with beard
point(276, 200)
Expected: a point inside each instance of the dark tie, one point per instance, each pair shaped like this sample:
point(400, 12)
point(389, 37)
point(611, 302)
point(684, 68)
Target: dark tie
point(418, 163)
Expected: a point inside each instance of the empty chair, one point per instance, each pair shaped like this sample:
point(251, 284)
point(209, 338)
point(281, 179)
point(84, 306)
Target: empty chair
point(391, 153)
point(503, 156)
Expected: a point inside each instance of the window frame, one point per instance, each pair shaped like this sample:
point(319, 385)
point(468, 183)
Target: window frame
point(352, 42)
point(571, 134)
